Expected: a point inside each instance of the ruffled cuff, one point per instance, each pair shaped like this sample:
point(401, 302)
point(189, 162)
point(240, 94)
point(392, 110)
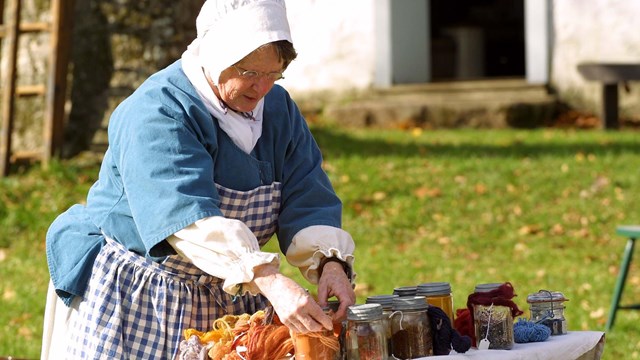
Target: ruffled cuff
point(224, 248)
point(313, 244)
point(241, 272)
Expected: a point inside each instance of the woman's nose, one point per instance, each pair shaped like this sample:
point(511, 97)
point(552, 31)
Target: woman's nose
point(263, 85)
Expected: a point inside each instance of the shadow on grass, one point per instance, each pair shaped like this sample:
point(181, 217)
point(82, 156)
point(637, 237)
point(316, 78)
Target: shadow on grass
point(338, 143)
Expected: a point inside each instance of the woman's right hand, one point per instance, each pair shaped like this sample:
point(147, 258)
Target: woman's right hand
point(295, 307)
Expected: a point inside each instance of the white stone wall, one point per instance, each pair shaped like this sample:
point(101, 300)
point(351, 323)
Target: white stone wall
point(593, 30)
point(335, 44)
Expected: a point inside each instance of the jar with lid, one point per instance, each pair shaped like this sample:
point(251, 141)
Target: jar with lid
point(438, 294)
point(321, 345)
point(410, 328)
point(547, 308)
point(386, 301)
point(366, 333)
point(492, 320)
point(405, 291)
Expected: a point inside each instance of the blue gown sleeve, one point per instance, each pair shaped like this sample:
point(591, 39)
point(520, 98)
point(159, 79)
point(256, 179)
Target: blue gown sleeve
point(161, 144)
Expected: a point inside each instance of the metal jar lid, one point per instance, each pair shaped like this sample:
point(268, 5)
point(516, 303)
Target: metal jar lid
point(487, 287)
point(410, 303)
point(405, 291)
point(546, 296)
point(364, 312)
point(434, 289)
point(385, 300)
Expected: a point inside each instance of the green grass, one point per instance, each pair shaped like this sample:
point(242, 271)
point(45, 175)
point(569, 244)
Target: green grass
point(536, 208)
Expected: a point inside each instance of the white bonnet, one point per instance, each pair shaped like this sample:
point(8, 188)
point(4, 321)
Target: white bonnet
point(229, 30)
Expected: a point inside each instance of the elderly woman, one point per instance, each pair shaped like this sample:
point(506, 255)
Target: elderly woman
point(207, 160)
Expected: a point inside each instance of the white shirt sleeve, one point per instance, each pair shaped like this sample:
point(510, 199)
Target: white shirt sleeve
point(314, 243)
point(224, 248)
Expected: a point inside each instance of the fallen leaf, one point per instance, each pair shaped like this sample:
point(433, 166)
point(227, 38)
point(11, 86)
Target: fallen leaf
point(529, 230)
point(598, 313)
point(480, 189)
point(557, 229)
point(9, 294)
point(379, 195)
point(424, 191)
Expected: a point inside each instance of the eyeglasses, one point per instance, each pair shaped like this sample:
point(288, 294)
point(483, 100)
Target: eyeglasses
point(252, 74)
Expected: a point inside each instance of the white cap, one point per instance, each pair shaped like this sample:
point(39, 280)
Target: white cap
point(229, 30)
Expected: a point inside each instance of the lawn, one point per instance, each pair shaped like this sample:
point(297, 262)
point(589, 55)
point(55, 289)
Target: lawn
point(536, 208)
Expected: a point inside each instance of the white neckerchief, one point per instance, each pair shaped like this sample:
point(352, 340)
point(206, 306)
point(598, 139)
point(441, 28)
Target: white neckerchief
point(243, 129)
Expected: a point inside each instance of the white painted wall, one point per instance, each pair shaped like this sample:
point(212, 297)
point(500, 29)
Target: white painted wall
point(592, 30)
point(341, 46)
point(335, 42)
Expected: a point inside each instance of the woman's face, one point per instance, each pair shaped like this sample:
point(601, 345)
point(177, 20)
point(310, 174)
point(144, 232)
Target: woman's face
point(242, 93)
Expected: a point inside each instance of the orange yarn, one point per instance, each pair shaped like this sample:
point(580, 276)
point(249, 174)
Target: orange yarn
point(246, 337)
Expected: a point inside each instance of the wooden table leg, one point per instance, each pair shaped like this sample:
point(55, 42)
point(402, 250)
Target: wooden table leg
point(610, 106)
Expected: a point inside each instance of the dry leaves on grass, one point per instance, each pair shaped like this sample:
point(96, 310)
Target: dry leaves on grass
point(427, 192)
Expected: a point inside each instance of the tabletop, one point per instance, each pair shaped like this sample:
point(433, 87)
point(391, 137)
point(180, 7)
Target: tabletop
point(575, 345)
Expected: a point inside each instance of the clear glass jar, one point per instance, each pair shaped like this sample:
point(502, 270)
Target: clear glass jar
point(438, 294)
point(366, 337)
point(547, 308)
point(410, 328)
point(493, 322)
point(386, 301)
point(322, 345)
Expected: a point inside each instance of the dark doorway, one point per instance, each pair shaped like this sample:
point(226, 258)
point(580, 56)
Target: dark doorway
point(475, 39)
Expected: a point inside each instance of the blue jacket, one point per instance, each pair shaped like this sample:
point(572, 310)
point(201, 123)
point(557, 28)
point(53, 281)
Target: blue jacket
point(166, 152)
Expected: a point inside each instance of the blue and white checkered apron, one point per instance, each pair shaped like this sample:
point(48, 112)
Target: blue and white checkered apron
point(135, 308)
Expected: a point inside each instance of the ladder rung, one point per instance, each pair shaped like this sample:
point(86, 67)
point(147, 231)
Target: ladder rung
point(28, 27)
point(31, 90)
point(26, 155)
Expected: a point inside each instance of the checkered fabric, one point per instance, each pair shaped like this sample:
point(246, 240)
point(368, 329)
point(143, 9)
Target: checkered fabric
point(135, 308)
point(257, 208)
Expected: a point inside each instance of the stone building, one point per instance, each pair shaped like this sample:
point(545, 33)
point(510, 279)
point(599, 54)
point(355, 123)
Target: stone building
point(354, 50)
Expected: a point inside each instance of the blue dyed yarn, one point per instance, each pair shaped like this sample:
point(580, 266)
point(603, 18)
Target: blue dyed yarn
point(525, 331)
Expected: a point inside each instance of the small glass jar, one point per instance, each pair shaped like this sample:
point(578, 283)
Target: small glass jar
point(386, 301)
point(410, 328)
point(438, 294)
point(547, 308)
point(322, 345)
point(493, 322)
point(366, 333)
point(405, 291)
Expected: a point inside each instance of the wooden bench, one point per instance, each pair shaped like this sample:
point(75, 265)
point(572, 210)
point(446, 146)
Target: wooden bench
point(610, 75)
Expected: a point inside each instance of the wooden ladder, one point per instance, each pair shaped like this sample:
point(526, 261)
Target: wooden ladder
point(53, 92)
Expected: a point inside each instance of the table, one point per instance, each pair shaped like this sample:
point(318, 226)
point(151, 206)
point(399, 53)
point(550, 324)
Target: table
point(610, 75)
point(575, 345)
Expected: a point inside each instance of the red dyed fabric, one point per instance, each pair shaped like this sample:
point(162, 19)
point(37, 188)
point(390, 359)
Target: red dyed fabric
point(464, 324)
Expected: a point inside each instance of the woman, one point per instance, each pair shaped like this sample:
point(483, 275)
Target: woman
point(207, 160)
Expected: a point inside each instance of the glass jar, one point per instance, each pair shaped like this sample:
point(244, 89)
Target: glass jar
point(438, 294)
point(492, 322)
point(410, 328)
point(321, 345)
point(366, 333)
point(547, 308)
point(386, 301)
point(405, 291)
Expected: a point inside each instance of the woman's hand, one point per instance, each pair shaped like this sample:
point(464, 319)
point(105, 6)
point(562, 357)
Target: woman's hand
point(334, 282)
point(295, 307)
